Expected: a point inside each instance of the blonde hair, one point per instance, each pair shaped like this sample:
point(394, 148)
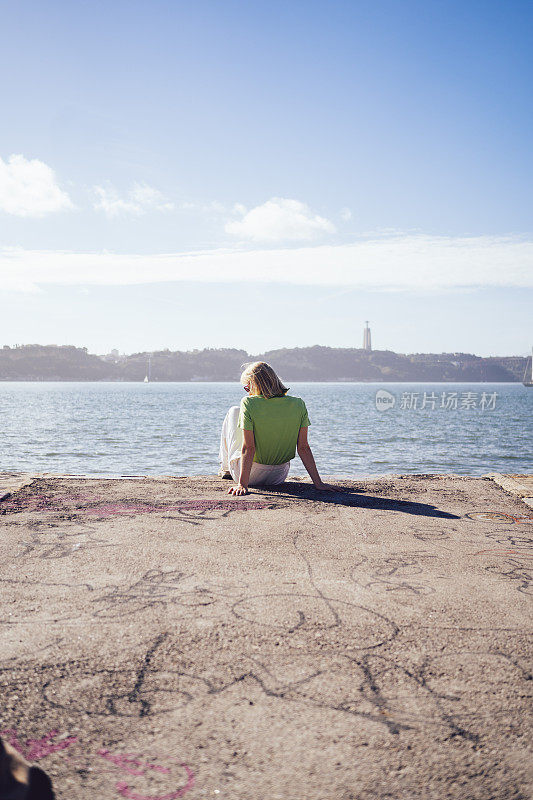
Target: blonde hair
point(263, 380)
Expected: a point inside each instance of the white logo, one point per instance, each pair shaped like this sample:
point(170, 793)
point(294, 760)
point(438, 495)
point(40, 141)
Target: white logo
point(384, 400)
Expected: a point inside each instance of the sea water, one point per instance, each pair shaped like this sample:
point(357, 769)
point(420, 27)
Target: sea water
point(357, 429)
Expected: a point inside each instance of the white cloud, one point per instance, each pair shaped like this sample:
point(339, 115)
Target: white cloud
point(280, 220)
point(394, 262)
point(213, 207)
point(346, 214)
point(28, 188)
point(140, 199)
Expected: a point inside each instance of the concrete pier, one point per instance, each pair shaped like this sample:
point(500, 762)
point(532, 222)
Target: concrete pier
point(163, 639)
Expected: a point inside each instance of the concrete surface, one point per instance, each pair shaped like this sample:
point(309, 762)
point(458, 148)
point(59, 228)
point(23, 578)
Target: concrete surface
point(11, 482)
point(519, 485)
point(162, 639)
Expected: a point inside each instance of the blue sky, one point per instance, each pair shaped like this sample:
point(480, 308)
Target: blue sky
point(258, 175)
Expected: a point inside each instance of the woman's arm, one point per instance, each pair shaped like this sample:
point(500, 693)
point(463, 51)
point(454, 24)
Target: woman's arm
point(308, 460)
point(247, 457)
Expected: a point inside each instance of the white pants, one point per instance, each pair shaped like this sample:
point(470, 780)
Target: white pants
point(231, 441)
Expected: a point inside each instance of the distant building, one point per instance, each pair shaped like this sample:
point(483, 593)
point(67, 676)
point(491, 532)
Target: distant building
point(113, 357)
point(367, 341)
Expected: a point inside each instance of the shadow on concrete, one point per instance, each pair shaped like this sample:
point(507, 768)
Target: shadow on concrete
point(353, 497)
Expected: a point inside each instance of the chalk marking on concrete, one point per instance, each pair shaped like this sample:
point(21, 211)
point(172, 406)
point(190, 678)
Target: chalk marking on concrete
point(35, 749)
point(499, 516)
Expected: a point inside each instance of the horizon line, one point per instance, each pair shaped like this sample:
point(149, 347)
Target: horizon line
point(265, 352)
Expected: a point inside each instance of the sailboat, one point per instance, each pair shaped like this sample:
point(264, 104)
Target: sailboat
point(528, 378)
point(148, 377)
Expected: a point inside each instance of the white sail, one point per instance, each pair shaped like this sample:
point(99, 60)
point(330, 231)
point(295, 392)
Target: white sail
point(148, 377)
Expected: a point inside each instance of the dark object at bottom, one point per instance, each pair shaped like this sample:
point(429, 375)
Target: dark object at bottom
point(19, 780)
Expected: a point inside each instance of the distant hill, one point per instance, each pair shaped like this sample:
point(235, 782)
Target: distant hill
point(33, 362)
point(352, 364)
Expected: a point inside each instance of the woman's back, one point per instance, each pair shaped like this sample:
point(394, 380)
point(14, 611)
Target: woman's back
point(276, 422)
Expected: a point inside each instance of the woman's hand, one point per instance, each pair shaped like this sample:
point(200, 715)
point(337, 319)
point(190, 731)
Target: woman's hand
point(239, 489)
point(326, 487)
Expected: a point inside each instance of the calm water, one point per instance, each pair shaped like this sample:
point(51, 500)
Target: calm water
point(173, 428)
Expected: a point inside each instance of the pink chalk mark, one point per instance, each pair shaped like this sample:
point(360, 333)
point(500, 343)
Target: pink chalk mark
point(123, 760)
point(111, 509)
point(51, 503)
point(39, 748)
point(35, 749)
point(133, 765)
point(124, 790)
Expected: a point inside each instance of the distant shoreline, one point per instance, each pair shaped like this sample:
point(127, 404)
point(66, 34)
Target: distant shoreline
point(300, 380)
point(317, 364)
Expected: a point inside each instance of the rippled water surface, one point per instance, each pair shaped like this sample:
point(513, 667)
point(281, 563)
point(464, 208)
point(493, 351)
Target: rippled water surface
point(174, 428)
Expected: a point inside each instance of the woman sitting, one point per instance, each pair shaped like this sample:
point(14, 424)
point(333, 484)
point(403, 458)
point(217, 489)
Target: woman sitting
point(259, 439)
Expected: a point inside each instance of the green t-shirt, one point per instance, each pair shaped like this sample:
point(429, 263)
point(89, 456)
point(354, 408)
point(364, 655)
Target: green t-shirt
point(276, 422)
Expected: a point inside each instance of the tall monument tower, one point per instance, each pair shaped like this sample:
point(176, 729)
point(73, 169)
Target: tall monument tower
point(367, 342)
